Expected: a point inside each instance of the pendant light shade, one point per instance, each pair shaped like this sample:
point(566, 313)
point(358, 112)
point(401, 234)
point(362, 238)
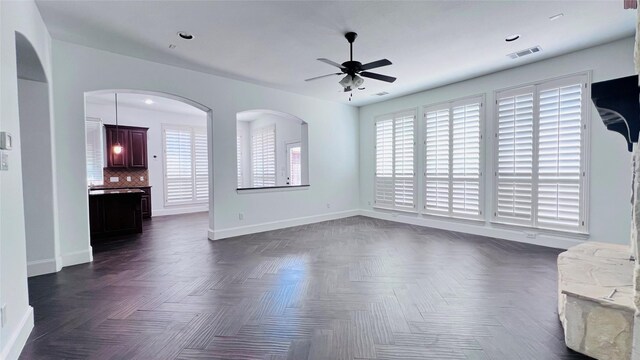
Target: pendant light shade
point(117, 148)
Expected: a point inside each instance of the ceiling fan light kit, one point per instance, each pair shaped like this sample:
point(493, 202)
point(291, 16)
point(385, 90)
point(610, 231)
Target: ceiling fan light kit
point(355, 69)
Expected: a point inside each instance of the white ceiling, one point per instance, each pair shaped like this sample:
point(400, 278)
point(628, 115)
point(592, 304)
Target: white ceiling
point(275, 44)
point(134, 100)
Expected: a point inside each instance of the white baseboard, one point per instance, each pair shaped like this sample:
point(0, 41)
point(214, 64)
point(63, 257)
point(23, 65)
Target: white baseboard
point(19, 337)
point(78, 257)
point(268, 226)
point(178, 211)
point(541, 238)
point(41, 267)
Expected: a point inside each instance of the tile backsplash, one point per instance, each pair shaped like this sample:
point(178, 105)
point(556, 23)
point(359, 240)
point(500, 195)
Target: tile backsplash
point(122, 174)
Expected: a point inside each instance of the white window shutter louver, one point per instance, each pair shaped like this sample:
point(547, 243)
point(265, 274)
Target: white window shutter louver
point(263, 157)
point(453, 154)
point(540, 155)
point(186, 165)
point(395, 178)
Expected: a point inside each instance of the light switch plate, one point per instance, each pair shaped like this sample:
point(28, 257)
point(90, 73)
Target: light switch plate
point(114, 179)
point(6, 141)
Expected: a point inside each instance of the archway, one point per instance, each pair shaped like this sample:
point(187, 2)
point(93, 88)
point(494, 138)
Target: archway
point(163, 116)
point(37, 161)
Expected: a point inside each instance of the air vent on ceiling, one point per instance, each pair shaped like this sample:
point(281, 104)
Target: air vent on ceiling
point(383, 93)
point(525, 52)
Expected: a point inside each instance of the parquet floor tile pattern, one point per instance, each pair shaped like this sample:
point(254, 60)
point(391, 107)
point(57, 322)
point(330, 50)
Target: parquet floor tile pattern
point(354, 288)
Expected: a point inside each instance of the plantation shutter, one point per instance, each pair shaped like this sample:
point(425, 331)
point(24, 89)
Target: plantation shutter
point(540, 155)
point(395, 185)
point(453, 159)
point(437, 156)
point(201, 164)
point(178, 166)
point(263, 157)
point(239, 160)
point(559, 155)
point(95, 151)
point(465, 159)
point(515, 138)
point(404, 186)
point(384, 163)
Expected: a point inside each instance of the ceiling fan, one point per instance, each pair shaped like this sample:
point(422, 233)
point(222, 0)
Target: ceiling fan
point(354, 68)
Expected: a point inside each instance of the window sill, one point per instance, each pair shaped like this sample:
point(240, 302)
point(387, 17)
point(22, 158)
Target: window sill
point(271, 189)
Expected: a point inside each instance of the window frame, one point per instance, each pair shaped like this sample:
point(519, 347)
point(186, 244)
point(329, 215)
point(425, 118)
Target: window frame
point(252, 133)
point(192, 131)
point(101, 146)
point(584, 78)
point(393, 115)
point(450, 105)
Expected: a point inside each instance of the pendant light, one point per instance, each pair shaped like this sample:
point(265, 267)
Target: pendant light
point(117, 148)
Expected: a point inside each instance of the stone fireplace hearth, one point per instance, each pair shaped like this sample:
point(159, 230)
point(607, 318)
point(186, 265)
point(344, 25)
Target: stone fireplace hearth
point(595, 299)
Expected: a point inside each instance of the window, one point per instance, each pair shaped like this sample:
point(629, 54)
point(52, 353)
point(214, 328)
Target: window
point(540, 155)
point(186, 165)
point(395, 179)
point(95, 151)
point(294, 168)
point(263, 157)
point(239, 160)
point(453, 159)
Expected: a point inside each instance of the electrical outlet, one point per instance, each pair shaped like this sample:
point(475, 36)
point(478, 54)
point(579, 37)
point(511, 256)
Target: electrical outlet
point(530, 235)
point(328, 206)
point(141, 178)
point(4, 161)
point(3, 315)
point(369, 202)
point(128, 178)
point(240, 216)
point(114, 179)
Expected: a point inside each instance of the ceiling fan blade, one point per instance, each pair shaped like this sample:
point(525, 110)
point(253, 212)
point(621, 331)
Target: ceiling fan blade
point(332, 63)
point(322, 76)
point(380, 77)
point(375, 64)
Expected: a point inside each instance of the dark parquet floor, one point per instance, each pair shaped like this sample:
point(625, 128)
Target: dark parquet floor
point(354, 288)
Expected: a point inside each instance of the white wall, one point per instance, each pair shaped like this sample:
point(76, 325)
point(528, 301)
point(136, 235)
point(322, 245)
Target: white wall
point(610, 173)
point(135, 116)
point(23, 17)
point(37, 177)
point(333, 134)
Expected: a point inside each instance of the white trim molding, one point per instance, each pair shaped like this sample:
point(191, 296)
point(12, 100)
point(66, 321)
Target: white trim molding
point(19, 337)
point(275, 225)
point(474, 227)
point(77, 257)
point(180, 210)
point(41, 267)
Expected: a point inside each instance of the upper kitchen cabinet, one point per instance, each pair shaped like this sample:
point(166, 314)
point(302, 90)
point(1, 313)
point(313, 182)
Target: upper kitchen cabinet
point(134, 147)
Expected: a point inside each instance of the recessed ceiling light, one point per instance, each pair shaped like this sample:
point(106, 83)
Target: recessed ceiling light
point(511, 38)
point(148, 101)
point(556, 16)
point(185, 35)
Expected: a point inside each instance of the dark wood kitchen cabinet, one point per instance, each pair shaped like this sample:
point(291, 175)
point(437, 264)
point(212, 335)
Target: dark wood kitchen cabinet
point(114, 212)
point(134, 146)
point(146, 202)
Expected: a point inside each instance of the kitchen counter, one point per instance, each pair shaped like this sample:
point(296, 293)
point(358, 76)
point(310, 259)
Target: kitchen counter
point(115, 212)
point(145, 199)
point(115, 192)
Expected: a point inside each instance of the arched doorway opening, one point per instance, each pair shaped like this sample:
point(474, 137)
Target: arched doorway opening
point(176, 170)
point(37, 161)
